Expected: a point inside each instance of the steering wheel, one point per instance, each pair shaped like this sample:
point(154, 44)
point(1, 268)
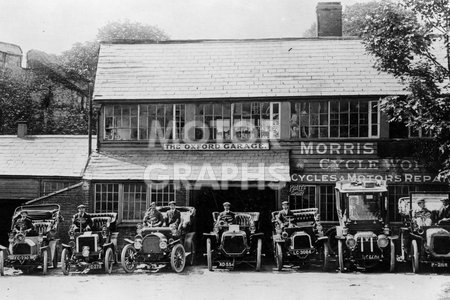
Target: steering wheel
point(223, 223)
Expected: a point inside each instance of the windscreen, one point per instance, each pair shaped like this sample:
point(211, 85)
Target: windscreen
point(363, 207)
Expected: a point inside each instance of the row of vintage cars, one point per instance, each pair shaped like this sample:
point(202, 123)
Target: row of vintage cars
point(363, 239)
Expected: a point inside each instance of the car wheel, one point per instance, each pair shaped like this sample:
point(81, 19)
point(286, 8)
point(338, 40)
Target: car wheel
point(192, 256)
point(2, 263)
point(341, 256)
point(209, 254)
point(127, 258)
point(65, 261)
point(258, 255)
point(178, 258)
point(326, 256)
point(44, 262)
point(278, 257)
point(392, 257)
point(415, 257)
point(109, 260)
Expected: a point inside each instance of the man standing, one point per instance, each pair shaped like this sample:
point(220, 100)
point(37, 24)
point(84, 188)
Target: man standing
point(81, 221)
point(227, 215)
point(153, 217)
point(443, 215)
point(24, 223)
point(173, 216)
point(284, 214)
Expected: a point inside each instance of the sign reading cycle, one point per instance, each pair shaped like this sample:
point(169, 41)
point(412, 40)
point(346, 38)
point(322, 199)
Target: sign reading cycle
point(217, 146)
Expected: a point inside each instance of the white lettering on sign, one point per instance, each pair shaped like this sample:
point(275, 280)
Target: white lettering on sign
point(369, 164)
point(391, 178)
point(337, 148)
point(216, 146)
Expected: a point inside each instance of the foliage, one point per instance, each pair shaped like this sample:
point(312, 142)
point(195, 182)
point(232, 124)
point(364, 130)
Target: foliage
point(127, 30)
point(410, 40)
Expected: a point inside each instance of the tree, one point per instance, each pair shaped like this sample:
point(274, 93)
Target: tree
point(127, 30)
point(410, 40)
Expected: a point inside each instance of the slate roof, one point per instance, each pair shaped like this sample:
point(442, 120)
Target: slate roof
point(239, 68)
point(134, 165)
point(10, 49)
point(46, 155)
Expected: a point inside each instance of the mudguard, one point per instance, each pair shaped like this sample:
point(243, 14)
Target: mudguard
point(188, 241)
point(257, 235)
point(44, 248)
point(129, 241)
point(322, 239)
point(107, 245)
point(393, 237)
point(65, 246)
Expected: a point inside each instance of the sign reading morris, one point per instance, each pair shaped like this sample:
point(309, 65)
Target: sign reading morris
point(217, 146)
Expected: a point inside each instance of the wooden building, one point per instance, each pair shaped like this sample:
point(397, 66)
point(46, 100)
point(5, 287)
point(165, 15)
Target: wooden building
point(175, 115)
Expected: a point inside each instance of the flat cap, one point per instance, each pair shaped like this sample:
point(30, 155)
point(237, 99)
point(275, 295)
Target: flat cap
point(285, 203)
point(226, 204)
point(81, 206)
point(172, 202)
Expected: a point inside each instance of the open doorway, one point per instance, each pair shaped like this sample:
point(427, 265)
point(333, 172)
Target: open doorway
point(8, 207)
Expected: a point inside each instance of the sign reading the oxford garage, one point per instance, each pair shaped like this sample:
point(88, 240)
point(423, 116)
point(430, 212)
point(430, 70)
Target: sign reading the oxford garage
point(328, 162)
point(216, 146)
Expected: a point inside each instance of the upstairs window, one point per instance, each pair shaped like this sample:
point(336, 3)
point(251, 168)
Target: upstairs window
point(334, 119)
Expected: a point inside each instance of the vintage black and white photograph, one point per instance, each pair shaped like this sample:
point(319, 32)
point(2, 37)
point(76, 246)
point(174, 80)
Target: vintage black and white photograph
point(225, 149)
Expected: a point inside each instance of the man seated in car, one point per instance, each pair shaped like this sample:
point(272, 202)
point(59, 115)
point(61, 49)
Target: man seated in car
point(443, 214)
point(153, 218)
point(422, 215)
point(23, 224)
point(226, 215)
point(81, 221)
point(173, 218)
point(285, 215)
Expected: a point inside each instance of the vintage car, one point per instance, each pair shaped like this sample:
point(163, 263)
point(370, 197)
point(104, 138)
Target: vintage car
point(38, 247)
point(94, 249)
point(364, 237)
point(232, 244)
point(301, 240)
point(424, 238)
point(154, 246)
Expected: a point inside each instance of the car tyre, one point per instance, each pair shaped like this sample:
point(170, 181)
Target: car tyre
point(65, 261)
point(44, 262)
point(109, 260)
point(392, 257)
point(192, 256)
point(341, 256)
point(2, 263)
point(127, 258)
point(55, 259)
point(209, 254)
point(258, 255)
point(278, 257)
point(415, 257)
point(178, 258)
point(326, 257)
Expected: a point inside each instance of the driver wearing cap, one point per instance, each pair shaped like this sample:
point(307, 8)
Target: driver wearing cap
point(284, 214)
point(23, 223)
point(226, 215)
point(153, 217)
point(173, 216)
point(443, 214)
point(422, 214)
point(81, 221)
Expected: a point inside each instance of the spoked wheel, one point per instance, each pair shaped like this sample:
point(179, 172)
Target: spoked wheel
point(326, 257)
point(392, 257)
point(278, 257)
point(109, 260)
point(209, 254)
point(2, 263)
point(191, 260)
point(415, 257)
point(178, 258)
point(65, 261)
point(258, 255)
point(341, 256)
point(127, 258)
point(44, 262)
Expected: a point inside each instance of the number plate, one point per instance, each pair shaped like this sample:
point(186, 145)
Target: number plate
point(225, 264)
point(303, 251)
point(95, 266)
point(21, 258)
point(370, 256)
point(439, 264)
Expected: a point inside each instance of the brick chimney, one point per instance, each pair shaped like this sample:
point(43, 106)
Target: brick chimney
point(22, 129)
point(329, 19)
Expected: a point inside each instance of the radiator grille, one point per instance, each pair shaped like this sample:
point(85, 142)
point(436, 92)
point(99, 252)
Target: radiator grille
point(301, 241)
point(441, 244)
point(89, 241)
point(150, 244)
point(234, 244)
point(22, 248)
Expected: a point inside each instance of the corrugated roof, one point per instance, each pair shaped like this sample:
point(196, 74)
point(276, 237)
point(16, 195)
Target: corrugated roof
point(10, 49)
point(199, 166)
point(46, 155)
point(239, 68)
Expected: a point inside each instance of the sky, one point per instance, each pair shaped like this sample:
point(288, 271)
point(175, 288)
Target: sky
point(54, 26)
